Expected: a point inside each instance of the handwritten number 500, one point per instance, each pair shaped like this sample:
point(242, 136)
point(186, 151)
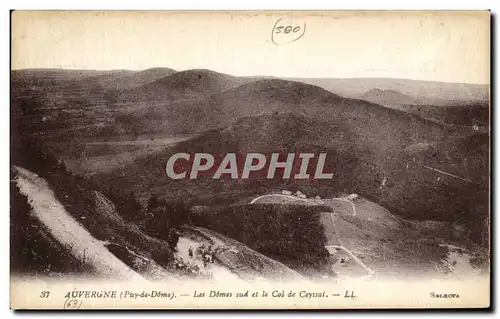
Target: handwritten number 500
point(288, 29)
point(282, 34)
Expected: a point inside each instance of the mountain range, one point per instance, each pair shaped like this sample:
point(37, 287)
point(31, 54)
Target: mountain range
point(115, 125)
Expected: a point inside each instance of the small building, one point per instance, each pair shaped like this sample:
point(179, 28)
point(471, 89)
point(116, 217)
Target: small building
point(352, 197)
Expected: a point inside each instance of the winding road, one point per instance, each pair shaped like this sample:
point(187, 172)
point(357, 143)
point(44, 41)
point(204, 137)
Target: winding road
point(370, 271)
point(307, 200)
point(67, 231)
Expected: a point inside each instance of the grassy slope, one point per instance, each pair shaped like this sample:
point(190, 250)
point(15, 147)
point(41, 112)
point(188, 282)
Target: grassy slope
point(290, 234)
point(370, 138)
point(241, 259)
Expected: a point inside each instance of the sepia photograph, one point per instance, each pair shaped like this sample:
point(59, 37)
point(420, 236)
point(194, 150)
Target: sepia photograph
point(250, 159)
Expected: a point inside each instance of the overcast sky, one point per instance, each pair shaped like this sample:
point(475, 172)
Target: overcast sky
point(450, 47)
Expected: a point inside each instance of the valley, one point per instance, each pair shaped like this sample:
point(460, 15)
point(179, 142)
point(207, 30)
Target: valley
point(417, 154)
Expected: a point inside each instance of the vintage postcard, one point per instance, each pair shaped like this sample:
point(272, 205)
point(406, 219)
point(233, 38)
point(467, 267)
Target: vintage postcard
point(250, 159)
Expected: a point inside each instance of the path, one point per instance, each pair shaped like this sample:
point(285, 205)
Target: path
point(67, 231)
point(370, 271)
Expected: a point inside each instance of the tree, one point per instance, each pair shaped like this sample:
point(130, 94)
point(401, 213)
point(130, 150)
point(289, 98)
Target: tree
point(173, 239)
point(153, 203)
point(165, 216)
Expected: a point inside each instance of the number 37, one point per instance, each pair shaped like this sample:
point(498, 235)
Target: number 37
point(44, 294)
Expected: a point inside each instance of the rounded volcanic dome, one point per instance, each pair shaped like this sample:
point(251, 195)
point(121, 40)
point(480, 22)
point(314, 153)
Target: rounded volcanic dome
point(287, 88)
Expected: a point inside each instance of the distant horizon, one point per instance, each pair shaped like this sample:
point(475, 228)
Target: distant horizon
point(255, 75)
point(434, 46)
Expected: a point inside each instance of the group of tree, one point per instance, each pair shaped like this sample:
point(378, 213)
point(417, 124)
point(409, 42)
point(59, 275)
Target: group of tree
point(162, 217)
point(291, 234)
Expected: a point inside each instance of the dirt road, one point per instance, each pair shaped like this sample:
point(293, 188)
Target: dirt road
point(67, 231)
point(333, 217)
